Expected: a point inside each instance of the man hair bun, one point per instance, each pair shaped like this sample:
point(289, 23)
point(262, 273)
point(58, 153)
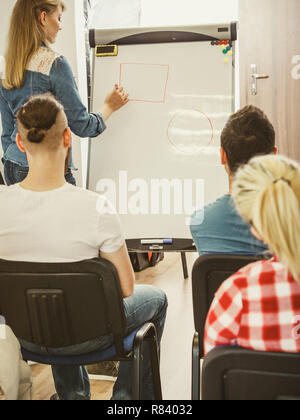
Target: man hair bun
point(36, 135)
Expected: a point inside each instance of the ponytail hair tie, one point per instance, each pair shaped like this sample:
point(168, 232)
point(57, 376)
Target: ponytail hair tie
point(36, 135)
point(284, 180)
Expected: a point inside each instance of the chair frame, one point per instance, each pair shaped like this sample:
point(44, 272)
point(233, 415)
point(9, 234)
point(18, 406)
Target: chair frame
point(32, 291)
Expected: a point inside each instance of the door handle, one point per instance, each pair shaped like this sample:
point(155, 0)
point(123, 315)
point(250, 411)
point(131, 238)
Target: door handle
point(254, 77)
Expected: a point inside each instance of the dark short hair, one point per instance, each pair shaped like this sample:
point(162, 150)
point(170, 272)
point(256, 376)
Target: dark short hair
point(247, 133)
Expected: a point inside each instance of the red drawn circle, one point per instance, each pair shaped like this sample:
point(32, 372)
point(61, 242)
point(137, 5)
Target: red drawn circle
point(176, 116)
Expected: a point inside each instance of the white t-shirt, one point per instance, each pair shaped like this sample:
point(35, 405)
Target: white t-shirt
point(64, 225)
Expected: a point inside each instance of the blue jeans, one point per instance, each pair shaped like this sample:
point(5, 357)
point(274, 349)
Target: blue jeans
point(146, 304)
point(14, 173)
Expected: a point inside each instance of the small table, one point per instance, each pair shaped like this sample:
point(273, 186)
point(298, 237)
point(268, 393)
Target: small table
point(178, 245)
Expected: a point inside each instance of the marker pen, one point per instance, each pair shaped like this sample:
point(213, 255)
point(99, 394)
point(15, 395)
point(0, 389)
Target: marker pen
point(167, 241)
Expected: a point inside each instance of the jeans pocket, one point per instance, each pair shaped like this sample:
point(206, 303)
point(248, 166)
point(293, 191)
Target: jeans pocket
point(20, 174)
point(14, 173)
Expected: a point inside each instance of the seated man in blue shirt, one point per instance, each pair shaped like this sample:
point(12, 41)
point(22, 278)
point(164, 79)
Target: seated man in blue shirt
point(248, 133)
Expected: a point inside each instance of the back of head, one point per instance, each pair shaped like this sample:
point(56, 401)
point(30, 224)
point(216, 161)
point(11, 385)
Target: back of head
point(248, 133)
point(25, 37)
point(266, 192)
point(41, 123)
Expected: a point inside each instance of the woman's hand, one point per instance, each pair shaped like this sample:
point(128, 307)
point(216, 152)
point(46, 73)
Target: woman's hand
point(114, 101)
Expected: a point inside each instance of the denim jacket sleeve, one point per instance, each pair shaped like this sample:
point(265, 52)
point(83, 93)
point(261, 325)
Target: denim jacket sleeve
point(64, 87)
point(8, 122)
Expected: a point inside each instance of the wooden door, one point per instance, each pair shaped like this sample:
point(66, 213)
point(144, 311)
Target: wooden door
point(270, 38)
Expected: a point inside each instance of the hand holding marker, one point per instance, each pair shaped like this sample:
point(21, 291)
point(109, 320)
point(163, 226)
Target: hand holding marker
point(114, 101)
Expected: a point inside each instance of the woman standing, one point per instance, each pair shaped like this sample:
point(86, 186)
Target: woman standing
point(33, 68)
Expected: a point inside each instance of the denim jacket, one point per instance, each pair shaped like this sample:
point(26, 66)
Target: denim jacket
point(47, 72)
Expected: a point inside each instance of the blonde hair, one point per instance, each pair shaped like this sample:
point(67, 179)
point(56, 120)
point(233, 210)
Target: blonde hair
point(266, 192)
point(25, 37)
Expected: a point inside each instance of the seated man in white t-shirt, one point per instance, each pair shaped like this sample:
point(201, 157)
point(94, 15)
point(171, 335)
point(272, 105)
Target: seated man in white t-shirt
point(44, 219)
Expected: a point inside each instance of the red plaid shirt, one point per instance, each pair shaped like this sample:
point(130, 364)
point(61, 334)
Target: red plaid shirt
point(257, 308)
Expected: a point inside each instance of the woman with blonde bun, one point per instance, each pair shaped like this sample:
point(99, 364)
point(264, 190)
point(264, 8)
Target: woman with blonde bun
point(259, 307)
point(31, 68)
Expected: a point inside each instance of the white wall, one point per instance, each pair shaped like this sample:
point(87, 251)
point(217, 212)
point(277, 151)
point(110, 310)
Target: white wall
point(6, 7)
point(188, 12)
point(115, 13)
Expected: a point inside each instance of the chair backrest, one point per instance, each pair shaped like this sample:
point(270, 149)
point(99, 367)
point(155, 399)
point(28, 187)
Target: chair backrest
point(232, 373)
point(209, 272)
point(62, 304)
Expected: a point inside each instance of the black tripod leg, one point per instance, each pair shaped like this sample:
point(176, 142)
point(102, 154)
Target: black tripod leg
point(184, 265)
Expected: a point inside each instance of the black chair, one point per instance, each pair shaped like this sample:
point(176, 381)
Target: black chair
point(233, 373)
point(209, 272)
point(64, 304)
